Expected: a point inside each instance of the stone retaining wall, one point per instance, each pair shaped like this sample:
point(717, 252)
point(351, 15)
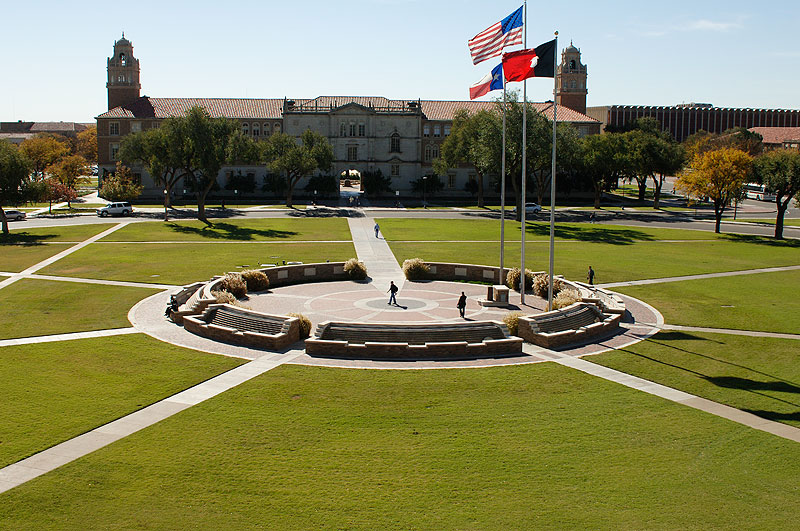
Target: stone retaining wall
point(525, 330)
point(443, 350)
point(290, 334)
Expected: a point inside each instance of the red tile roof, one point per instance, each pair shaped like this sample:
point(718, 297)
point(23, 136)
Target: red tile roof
point(273, 108)
point(777, 135)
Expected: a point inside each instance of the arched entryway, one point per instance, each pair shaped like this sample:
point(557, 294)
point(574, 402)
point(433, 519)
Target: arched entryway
point(350, 187)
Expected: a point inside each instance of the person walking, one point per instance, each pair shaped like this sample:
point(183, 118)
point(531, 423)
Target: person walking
point(377, 229)
point(590, 275)
point(462, 304)
point(393, 293)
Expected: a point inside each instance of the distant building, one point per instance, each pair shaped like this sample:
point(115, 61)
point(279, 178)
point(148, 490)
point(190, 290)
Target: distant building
point(401, 138)
point(685, 120)
point(17, 132)
point(779, 137)
point(571, 80)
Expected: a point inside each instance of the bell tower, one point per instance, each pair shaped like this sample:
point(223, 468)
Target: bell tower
point(572, 80)
point(123, 74)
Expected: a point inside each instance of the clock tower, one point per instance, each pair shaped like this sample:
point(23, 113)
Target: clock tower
point(123, 74)
point(571, 83)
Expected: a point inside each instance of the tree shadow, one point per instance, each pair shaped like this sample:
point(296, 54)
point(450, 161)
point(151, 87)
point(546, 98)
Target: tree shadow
point(24, 238)
point(774, 415)
point(614, 236)
point(746, 384)
point(228, 231)
point(761, 240)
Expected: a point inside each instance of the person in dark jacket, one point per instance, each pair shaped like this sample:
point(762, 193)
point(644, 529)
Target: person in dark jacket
point(462, 304)
point(392, 293)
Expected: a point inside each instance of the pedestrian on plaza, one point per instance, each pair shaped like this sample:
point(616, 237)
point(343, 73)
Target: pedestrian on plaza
point(462, 304)
point(590, 275)
point(377, 229)
point(393, 293)
point(592, 218)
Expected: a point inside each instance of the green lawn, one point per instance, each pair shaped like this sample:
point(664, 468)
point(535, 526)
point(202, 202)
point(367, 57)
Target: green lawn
point(67, 233)
point(537, 446)
point(187, 262)
point(766, 301)
point(755, 374)
point(45, 307)
point(615, 262)
point(16, 257)
point(788, 222)
point(55, 391)
point(237, 229)
point(399, 229)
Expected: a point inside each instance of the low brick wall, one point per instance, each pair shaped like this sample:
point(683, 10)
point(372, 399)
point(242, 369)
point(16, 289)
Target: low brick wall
point(303, 273)
point(526, 330)
point(290, 334)
point(443, 350)
point(469, 272)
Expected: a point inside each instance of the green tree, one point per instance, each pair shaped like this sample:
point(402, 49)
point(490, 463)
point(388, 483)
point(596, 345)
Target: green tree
point(375, 184)
point(43, 151)
point(86, 144)
point(70, 171)
point(469, 143)
point(324, 185)
point(57, 192)
point(603, 160)
point(719, 175)
point(283, 154)
point(427, 185)
point(653, 155)
point(779, 171)
point(120, 186)
point(14, 171)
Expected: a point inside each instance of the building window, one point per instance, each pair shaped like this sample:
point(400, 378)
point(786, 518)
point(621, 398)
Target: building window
point(395, 170)
point(572, 64)
point(572, 84)
point(113, 128)
point(435, 151)
point(266, 129)
point(121, 78)
point(352, 129)
point(246, 128)
point(342, 129)
point(256, 130)
point(362, 129)
point(136, 127)
point(277, 128)
point(437, 130)
point(426, 130)
point(113, 150)
point(123, 61)
point(447, 130)
point(395, 148)
point(428, 153)
point(451, 180)
point(352, 153)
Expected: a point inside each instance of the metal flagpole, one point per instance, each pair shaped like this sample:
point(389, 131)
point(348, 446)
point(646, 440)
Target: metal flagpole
point(503, 187)
point(524, 155)
point(553, 179)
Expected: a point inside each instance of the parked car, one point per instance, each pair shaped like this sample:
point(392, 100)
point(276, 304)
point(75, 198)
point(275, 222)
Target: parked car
point(530, 208)
point(115, 209)
point(15, 215)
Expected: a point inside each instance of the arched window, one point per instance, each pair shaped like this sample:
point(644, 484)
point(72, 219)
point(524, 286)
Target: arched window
point(572, 64)
point(395, 148)
point(276, 128)
point(256, 129)
point(342, 129)
point(435, 151)
point(123, 60)
point(428, 152)
point(266, 129)
point(572, 84)
point(121, 78)
point(246, 128)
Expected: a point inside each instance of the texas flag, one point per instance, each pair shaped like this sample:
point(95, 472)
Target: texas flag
point(489, 82)
point(535, 62)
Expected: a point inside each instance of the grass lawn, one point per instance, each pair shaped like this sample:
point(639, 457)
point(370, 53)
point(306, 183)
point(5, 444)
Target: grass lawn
point(399, 229)
point(755, 374)
point(766, 301)
point(45, 307)
point(187, 262)
point(67, 233)
point(281, 229)
point(503, 448)
point(615, 262)
point(16, 257)
point(55, 391)
point(789, 222)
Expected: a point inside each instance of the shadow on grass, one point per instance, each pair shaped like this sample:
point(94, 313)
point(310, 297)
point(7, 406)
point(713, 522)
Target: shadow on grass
point(762, 240)
point(732, 382)
point(24, 238)
point(774, 415)
point(615, 236)
point(228, 231)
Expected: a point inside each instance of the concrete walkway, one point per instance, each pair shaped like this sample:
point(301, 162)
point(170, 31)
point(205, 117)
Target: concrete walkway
point(55, 258)
point(697, 277)
point(61, 454)
point(67, 337)
point(375, 253)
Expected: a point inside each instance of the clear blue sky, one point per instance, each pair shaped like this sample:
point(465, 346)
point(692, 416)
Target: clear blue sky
point(729, 53)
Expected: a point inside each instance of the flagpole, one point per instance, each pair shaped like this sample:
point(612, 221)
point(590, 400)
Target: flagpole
point(553, 178)
point(524, 156)
point(503, 188)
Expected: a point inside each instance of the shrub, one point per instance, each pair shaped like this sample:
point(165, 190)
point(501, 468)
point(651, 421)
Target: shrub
point(541, 284)
point(234, 284)
point(416, 269)
point(305, 324)
point(223, 297)
point(564, 298)
point(355, 270)
point(512, 322)
point(512, 279)
point(256, 280)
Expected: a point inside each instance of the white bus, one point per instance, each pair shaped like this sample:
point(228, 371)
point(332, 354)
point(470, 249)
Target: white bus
point(758, 192)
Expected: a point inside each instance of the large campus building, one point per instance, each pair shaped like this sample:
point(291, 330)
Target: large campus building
point(401, 138)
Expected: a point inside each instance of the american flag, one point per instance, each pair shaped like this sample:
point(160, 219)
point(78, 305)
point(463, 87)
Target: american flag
point(491, 41)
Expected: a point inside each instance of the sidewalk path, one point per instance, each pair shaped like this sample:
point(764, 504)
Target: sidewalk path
point(61, 454)
point(44, 263)
point(375, 253)
point(67, 337)
point(697, 277)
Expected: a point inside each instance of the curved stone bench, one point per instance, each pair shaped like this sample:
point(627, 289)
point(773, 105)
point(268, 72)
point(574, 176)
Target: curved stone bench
point(412, 341)
point(241, 326)
point(573, 324)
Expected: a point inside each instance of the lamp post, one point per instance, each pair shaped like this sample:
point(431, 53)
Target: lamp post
point(315, 198)
point(166, 196)
point(424, 190)
point(397, 197)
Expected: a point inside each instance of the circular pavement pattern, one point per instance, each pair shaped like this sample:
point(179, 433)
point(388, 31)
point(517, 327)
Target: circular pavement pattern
point(417, 302)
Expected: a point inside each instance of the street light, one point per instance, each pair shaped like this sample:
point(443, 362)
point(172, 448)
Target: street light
point(424, 190)
point(166, 196)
